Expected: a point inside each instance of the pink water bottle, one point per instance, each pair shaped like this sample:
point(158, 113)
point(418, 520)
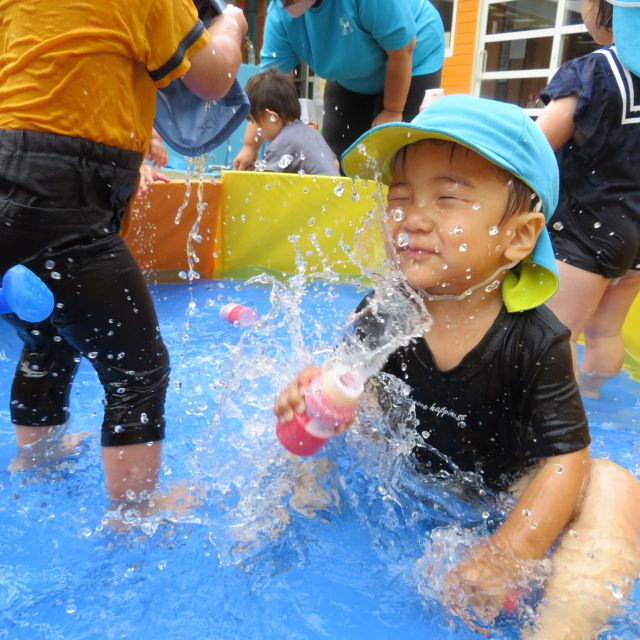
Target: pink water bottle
point(238, 315)
point(331, 398)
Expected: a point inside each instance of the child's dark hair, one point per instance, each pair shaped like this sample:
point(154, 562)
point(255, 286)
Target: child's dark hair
point(272, 89)
point(604, 17)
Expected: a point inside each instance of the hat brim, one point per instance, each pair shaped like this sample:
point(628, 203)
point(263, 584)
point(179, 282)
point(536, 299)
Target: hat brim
point(371, 157)
point(626, 30)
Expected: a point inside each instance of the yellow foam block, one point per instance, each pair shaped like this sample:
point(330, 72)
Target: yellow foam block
point(631, 334)
point(266, 214)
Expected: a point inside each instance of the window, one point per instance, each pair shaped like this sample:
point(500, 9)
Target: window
point(447, 10)
point(522, 43)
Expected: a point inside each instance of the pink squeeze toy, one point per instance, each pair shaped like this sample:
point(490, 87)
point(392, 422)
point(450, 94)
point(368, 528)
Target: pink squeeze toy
point(331, 399)
point(238, 315)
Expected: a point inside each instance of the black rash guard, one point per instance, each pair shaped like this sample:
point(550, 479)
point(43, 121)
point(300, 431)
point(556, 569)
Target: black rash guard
point(512, 400)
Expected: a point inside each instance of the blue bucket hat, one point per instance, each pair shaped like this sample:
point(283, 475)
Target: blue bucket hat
point(503, 134)
point(626, 32)
point(186, 122)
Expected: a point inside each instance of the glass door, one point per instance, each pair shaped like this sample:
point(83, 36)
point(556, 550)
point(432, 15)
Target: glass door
point(521, 43)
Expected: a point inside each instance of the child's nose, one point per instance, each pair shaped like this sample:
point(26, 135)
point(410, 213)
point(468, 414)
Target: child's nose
point(420, 218)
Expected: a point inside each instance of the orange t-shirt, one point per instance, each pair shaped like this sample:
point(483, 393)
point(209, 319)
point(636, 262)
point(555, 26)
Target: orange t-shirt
point(90, 69)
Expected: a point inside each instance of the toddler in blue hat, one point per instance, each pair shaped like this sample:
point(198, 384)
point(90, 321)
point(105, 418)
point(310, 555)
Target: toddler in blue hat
point(471, 182)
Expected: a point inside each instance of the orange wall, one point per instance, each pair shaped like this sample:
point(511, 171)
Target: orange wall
point(458, 69)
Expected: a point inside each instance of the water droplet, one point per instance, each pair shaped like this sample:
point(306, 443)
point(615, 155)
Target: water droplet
point(463, 247)
point(328, 232)
point(559, 468)
point(485, 515)
point(597, 225)
point(397, 214)
point(526, 513)
point(285, 161)
point(476, 206)
point(35, 332)
point(71, 608)
point(403, 239)
point(92, 355)
point(462, 424)
point(57, 339)
point(55, 275)
point(616, 591)
point(120, 390)
point(534, 525)
point(339, 189)
point(558, 226)
point(457, 230)
point(493, 286)
point(144, 418)
point(49, 264)
point(493, 230)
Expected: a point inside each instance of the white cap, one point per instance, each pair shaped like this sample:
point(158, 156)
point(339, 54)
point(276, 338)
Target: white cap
point(343, 385)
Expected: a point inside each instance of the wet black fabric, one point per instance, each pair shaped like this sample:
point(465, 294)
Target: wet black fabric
point(511, 401)
point(596, 226)
point(347, 115)
point(62, 201)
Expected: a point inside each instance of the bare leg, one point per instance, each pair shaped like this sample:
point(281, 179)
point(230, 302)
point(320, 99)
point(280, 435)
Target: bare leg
point(604, 346)
point(38, 445)
point(577, 299)
point(596, 561)
point(131, 469)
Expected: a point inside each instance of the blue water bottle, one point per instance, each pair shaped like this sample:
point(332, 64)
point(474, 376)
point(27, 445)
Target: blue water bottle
point(24, 294)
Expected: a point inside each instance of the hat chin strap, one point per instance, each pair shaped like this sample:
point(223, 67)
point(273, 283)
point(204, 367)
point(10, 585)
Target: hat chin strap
point(470, 290)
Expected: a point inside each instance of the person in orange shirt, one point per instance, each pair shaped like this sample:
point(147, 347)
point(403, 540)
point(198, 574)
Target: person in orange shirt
point(77, 98)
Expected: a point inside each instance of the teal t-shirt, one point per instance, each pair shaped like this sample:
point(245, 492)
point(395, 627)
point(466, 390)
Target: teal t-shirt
point(346, 40)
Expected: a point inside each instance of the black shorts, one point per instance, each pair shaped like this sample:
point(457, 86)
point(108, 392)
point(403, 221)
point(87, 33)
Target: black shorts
point(347, 115)
point(62, 200)
point(607, 243)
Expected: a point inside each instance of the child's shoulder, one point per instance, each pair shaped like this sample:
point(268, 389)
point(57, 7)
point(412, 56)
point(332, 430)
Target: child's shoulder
point(538, 326)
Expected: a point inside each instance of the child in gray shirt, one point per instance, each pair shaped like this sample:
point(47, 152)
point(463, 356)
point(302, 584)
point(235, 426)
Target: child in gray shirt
point(293, 146)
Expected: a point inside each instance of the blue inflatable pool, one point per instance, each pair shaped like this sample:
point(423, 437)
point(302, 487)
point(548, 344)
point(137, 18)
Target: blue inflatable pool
point(256, 558)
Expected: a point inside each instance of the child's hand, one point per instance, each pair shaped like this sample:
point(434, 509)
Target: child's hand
point(245, 160)
point(484, 580)
point(291, 398)
point(149, 175)
point(158, 155)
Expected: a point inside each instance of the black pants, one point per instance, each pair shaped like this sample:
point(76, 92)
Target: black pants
point(61, 204)
point(347, 115)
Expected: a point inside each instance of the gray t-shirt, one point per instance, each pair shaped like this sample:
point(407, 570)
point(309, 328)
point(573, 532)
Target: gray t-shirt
point(297, 148)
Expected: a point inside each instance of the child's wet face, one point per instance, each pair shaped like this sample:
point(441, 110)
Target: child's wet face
point(445, 208)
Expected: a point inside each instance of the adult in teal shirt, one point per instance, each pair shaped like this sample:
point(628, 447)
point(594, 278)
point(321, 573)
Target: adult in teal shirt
point(378, 57)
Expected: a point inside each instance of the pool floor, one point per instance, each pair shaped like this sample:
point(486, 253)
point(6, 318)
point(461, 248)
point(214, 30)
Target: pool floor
point(247, 562)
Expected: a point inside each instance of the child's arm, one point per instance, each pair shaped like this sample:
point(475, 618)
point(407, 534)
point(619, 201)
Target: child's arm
point(556, 121)
point(251, 142)
point(214, 67)
point(492, 570)
point(545, 507)
point(397, 80)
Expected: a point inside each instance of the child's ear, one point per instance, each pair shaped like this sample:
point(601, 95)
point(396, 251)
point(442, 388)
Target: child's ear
point(272, 115)
point(525, 228)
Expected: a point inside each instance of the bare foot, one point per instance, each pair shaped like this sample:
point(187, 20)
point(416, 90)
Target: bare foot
point(32, 456)
point(149, 512)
